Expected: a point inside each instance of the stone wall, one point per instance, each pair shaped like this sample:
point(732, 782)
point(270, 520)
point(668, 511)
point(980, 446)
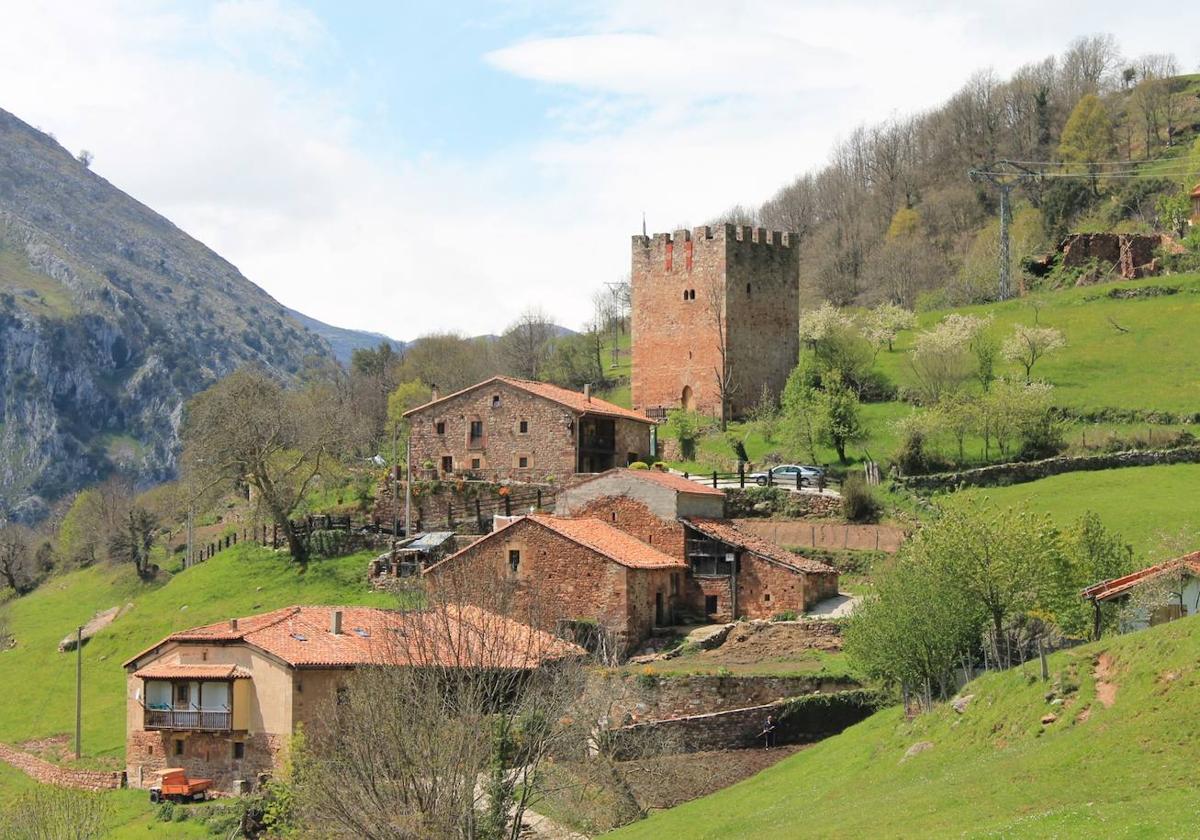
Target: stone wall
point(750, 276)
point(433, 499)
point(1130, 254)
point(795, 533)
point(778, 501)
point(52, 774)
point(644, 697)
point(1017, 473)
point(205, 755)
point(796, 720)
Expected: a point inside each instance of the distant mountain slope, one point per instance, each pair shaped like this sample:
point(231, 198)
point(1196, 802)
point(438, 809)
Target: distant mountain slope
point(110, 318)
point(345, 341)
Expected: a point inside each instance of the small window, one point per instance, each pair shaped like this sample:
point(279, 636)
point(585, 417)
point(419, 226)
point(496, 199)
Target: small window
point(447, 463)
point(523, 462)
point(495, 400)
point(239, 750)
point(440, 427)
point(747, 288)
point(178, 746)
point(767, 597)
point(614, 516)
point(474, 463)
point(685, 294)
point(523, 427)
point(514, 559)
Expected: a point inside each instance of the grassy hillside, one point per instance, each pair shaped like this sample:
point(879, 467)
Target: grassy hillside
point(1120, 770)
point(239, 581)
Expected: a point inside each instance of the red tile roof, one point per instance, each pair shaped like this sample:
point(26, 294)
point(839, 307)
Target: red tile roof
point(731, 534)
point(454, 636)
point(664, 479)
point(594, 534)
point(166, 671)
point(574, 400)
point(1107, 589)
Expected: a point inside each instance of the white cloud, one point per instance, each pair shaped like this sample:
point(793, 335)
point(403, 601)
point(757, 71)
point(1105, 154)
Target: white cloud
point(212, 116)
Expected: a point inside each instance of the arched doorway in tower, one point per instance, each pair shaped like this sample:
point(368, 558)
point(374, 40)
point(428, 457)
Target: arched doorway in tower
point(687, 400)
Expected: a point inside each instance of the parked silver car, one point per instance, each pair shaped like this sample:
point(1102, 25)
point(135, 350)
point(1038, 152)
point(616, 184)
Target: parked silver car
point(786, 474)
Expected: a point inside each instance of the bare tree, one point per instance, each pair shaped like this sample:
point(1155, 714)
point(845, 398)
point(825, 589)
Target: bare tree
point(723, 373)
point(447, 738)
point(16, 558)
point(131, 543)
point(525, 346)
point(248, 430)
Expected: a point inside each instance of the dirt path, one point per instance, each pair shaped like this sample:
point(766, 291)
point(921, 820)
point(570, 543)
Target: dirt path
point(1106, 690)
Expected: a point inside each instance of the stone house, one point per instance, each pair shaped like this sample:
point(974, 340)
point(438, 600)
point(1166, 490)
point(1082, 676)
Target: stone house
point(697, 292)
point(731, 572)
point(635, 549)
point(506, 429)
point(223, 700)
point(559, 570)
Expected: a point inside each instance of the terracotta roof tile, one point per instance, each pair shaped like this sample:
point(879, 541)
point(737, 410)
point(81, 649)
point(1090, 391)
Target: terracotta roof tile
point(167, 671)
point(573, 400)
point(727, 532)
point(613, 543)
point(454, 636)
point(1119, 586)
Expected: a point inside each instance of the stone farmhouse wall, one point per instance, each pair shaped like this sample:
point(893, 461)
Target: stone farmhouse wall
point(750, 277)
point(205, 755)
point(52, 774)
point(1017, 473)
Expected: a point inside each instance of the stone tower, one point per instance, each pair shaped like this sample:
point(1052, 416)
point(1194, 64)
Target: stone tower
point(696, 292)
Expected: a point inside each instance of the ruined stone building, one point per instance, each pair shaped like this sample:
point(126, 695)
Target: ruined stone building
point(631, 550)
point(711, 306)
point(506, 429)
point(222, 701)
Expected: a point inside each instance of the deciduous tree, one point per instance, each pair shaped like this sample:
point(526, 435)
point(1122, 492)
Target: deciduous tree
point(1028, 344)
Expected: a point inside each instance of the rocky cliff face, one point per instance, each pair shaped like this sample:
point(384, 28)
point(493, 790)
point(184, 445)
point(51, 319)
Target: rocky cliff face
point(110, 318)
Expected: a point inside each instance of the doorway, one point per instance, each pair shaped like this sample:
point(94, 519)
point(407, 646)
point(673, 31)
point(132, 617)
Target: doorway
point(687, 399)
point(710, 605)
point(658, 609)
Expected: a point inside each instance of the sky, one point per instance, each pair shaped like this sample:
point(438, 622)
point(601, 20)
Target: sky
point(410, 167)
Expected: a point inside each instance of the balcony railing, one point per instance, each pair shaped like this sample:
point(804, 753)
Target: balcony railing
point(193, 719)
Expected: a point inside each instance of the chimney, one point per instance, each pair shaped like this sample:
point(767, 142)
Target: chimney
point(587, 392)
point(433, 393)
point(233, 624)
point(335, 623)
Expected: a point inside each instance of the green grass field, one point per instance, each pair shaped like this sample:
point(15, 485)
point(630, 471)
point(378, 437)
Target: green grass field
point(1143, 504)
point(1125, 771)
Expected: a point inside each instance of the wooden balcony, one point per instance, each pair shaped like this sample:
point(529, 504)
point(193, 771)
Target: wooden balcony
point(194, 720)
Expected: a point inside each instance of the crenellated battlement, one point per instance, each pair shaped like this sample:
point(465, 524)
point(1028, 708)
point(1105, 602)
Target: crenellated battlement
point(727, 232)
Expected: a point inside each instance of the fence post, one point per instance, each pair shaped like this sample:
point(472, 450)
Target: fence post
point(714, 479)
point(770, 476)
point(821, 483)
point(798, 479)
point(478, 513)
point(685, 475)
point(274, 535)
point(539, 498)
point(449, 516)
point(508, 505)
point(742, 474)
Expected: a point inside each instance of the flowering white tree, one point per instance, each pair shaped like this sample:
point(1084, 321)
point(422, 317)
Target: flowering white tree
point(817, 325)
point(883, 323)
point(1028, 344)
point(942, 356)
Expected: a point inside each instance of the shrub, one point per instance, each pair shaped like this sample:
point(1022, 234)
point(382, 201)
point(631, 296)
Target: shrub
point(639, 465)
point(785, 615)
point(858, 502)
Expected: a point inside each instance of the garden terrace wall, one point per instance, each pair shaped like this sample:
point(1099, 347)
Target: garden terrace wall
point(761, 502)
point(1019, 473)
point(797, 533)
point(797, 720)
point(52, 774)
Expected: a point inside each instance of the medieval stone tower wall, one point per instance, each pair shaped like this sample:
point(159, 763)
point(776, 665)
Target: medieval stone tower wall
point(751, 276)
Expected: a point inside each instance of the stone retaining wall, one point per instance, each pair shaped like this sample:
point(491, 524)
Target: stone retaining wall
point(52, 774)
point(797, 533)
point(797, 720)
point(648, 697)
point(1018, 473)
point(778, 501)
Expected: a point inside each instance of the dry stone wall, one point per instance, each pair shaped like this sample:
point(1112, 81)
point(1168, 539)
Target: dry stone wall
point(52, 774)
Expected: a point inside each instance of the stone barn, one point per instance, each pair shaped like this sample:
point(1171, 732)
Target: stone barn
point(696, 293)
point(506, 429)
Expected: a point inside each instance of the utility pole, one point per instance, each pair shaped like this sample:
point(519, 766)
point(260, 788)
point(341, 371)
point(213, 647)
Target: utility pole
point(396, 486)
point(78, 691)
point(187, 560)
point(1004, 175)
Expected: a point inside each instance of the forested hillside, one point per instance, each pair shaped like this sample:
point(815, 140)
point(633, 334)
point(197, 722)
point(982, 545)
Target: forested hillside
point(894, 215)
